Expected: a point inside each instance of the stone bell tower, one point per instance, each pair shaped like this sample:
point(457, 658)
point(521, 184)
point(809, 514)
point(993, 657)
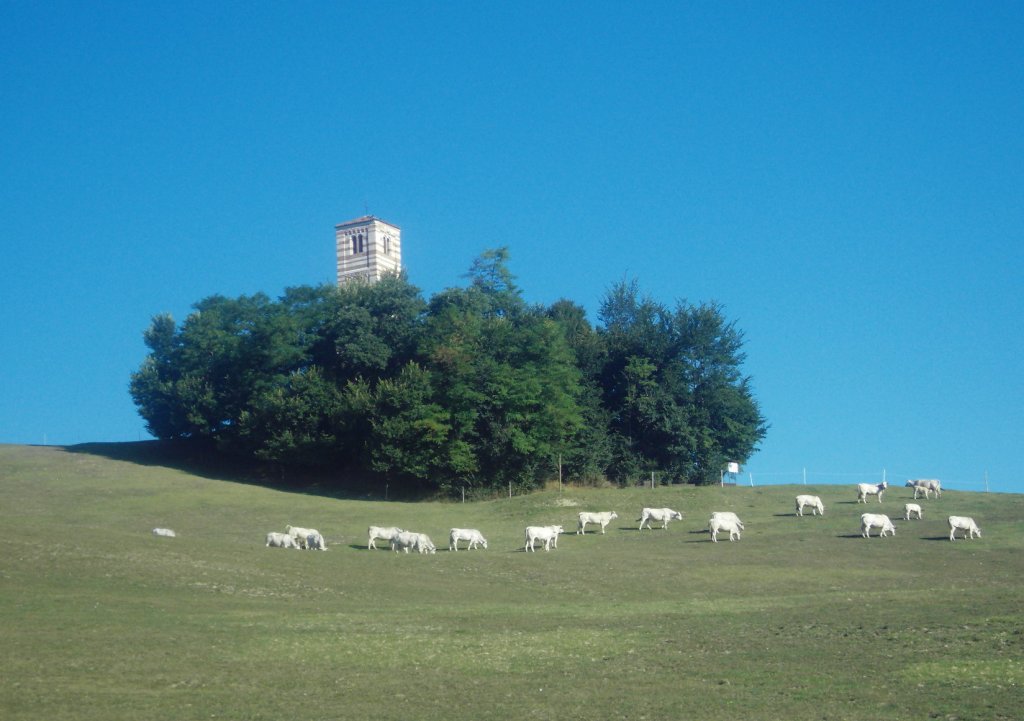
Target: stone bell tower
point(367, 248)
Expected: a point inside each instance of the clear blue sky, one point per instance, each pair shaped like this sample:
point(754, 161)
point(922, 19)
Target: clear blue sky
point(847, 179)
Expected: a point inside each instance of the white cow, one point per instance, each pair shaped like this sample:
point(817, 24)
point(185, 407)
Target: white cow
point(472, 535)
point(301, 535)
point(873, 520)
point(729, 516)
point(603, 519)
point(384, 533)
point(725, 521)
point(315, 542)
point(925, 486)
point(658, 514)
point(548, 534)
point(404, 540)
point(870, 489)
point(166, 532)
point(424, 544)
point(281, 540)
point(817, 507)
point(910, 510)
point(965, 524)
point(919, 486)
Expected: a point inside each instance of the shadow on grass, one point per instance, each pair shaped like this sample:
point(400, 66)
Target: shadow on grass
point(201, 459)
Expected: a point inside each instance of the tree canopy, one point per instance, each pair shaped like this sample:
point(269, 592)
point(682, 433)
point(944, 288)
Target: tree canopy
point(474, 389)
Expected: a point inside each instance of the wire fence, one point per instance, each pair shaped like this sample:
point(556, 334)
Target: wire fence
point(810, 477)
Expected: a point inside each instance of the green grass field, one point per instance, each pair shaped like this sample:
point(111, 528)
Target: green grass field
point(802, 619)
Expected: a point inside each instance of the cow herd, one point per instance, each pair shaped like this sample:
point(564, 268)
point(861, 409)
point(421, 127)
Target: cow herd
point(868, 521)
point(399, 539)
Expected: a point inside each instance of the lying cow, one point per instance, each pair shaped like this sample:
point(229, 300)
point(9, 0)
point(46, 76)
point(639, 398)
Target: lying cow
point(725, 521)
point(281, 540)
point(658, 514)
point(602, 519)
point(876, 520)
point(870, 489)
point(548, 534)
point(965, 524)
point(910, 510)
point(383, 533)
point(473, 536)
point(817, 507)
point(165, 532)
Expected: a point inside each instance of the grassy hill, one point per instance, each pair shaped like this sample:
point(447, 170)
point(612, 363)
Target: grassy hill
point(802, 619)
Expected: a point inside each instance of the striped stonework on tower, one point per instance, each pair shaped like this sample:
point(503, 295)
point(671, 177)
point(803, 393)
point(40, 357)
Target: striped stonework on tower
point(367, 248)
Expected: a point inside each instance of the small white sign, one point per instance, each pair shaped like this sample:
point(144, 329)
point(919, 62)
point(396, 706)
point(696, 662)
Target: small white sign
point(733, 467)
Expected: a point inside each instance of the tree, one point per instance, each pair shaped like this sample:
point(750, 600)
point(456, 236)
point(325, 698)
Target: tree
point(673, 386)
point(473, 388)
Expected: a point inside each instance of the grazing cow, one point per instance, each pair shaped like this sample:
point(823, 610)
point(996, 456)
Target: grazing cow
point(817, 507)
point(603, 519)
point(301, 535)
point(658, 514)
point(935, 487)
point(870, 489)
point(384, 533)
point(910, 510)
point(879, 520)
point(726, 521)
point(281, 540)
point(472, 535)
point(315, 542)
point(404, 540)
point(965, 524)
point(424, 544)
point(548, 534)
point(165, 532)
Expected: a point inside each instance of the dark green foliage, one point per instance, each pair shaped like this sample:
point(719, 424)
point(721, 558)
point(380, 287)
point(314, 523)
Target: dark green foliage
point(672, 384)
point(472, 390)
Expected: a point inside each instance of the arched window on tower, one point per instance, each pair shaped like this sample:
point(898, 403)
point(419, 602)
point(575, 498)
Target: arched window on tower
point(387, 245)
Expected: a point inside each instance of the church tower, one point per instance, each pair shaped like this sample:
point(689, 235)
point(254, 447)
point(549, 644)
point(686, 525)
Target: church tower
point(367, 248)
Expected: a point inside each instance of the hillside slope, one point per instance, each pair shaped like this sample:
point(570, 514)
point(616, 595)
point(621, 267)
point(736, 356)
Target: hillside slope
point(801, 619)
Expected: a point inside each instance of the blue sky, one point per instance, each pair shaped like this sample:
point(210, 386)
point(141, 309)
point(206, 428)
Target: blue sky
point(846, 179)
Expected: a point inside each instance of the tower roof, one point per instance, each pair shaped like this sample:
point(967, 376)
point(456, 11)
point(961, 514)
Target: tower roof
point(364, 219)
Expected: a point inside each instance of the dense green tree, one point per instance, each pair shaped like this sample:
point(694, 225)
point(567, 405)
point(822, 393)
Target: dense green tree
point(473, 389)
point(368, 330)
point(587, 454)
point(672, 384)
point(506, 375)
